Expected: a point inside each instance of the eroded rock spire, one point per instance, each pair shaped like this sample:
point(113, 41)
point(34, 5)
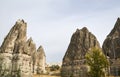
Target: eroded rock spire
point(74, 60)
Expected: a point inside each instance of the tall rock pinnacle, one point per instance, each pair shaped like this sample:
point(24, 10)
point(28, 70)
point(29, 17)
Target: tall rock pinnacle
point(17, 34)
point(41, 60)
point(111, 48)
point(111, 45)
point(116, 28)
point(80, 43)
point(82, 40)
point(31, 46)
point(17, 54)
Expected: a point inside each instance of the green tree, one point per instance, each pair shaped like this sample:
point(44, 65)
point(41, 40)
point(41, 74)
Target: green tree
point(97, 62)
point(54, 67)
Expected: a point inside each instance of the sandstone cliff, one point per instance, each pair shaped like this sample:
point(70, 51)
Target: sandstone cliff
point(74, 60)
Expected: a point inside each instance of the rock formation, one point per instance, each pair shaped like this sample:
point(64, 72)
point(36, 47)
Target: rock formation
point(16, 35)
point(17, 53)
point(32, 48)
point(41, 60)
point(14, 56)
point(73, 64)
point(111, 48)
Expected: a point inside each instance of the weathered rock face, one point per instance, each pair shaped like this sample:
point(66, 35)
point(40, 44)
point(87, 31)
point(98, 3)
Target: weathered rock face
point(111, 48)
point(15, 53)
point(74, 60)
point(27, 58)
point(16, 35)
point(22, 65)
point(32, 48)
point(40, 60)
point(111, 45)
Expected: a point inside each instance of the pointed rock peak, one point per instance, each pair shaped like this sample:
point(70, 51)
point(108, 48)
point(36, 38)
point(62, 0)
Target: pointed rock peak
point(117, 24)
point(80, 42)
point(30, 39)
point(16, 35)
point(111, 45)
point(20, 21)
point(84, 29)
point(31, 43)
point(77, 29)
point(118, 19)
point(116, 28)
point(40, 48)
point(20, 24)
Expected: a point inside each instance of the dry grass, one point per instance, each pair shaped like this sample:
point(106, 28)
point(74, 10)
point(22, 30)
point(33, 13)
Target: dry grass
point(44, 76)
point(60, 76)
point(113, 76)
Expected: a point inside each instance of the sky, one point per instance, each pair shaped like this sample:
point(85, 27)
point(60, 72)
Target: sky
point(51, 23)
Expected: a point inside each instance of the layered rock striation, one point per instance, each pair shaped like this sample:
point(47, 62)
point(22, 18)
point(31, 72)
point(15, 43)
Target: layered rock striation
point(73, 64)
